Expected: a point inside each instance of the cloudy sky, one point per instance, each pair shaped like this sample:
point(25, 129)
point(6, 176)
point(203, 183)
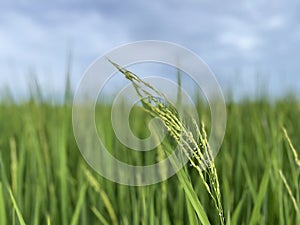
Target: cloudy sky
point(243, 42)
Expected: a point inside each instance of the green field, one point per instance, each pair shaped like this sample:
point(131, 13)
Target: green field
point(45, 180)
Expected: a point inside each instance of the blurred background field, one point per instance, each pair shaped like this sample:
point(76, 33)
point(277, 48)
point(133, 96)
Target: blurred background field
point(52, 184)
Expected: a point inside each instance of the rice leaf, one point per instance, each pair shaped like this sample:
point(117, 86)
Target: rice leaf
point(15, 205)
point(255, 217)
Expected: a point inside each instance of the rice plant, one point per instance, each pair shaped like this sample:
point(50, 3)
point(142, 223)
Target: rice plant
point(197, 151)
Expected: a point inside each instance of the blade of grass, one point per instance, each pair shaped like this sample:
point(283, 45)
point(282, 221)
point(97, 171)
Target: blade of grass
point(14, 164)
point(255, 217)
point(191, 214)
point(48, 220)
point(248, 178)
point(16, 208)
point(63, 174)
point(37, 208)
point(237, 211)
point(192, 197)
point(3, 214)
point(3, 180)
point(75, 217)
point(99, 216)
point(95, 184)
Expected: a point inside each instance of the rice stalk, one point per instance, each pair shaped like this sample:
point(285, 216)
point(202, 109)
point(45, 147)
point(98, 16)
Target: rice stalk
point(197, 151)
point(291, 146)
point(285, 182)
point(289, 190)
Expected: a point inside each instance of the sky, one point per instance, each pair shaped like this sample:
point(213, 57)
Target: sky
point(244, 42)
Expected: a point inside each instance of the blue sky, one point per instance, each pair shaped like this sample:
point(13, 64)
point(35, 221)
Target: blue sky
point(242, 41)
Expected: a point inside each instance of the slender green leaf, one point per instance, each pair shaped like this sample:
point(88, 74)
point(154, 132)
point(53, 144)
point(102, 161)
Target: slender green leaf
point(3, 214)
point(259, 199)
point(75, 217)
point(16, 208)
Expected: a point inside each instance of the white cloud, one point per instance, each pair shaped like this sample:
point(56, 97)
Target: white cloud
point(242, 42)
point(276, 22)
